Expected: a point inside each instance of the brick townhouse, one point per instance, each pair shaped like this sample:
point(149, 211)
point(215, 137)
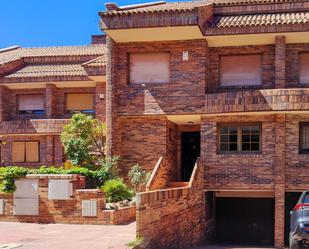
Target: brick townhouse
point(225, 81)
point(40, 88)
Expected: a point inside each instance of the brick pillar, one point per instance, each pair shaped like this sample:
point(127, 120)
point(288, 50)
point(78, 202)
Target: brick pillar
point(100, 101)
point(50, 100)
point(111, 104)
point(5, 103)
point(49, 150)
point(280, 62)
point(58, 151)
point(279, 180)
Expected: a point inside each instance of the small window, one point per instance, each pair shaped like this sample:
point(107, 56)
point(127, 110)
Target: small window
point(80, 102)
point(149, 67)
point(25, 152)
point(240, 70)
point(304, 138)
point(304, 68)
point(239, 138)
point(30, 104)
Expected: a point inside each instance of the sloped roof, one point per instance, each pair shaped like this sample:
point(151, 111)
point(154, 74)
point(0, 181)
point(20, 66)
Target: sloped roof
point(49, 70)
point(98, 62)
point(14, 54)
point(241, 2)
point(259, 20)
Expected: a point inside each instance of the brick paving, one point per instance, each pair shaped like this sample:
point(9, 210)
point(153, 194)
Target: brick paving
point(63, 236)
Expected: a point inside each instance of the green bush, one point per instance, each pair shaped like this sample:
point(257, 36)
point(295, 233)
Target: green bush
point(8, 175)
point(115, 190)
point(138, 177)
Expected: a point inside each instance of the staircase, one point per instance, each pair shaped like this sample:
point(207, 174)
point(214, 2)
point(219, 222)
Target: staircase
point(176, 185)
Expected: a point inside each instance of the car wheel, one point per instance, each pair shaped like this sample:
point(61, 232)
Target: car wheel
point(294, 244)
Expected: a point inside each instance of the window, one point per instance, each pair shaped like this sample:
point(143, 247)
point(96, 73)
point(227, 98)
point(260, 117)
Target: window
point(80, 102)
point(149, 67)
point(304, 137)
point(240, 70)
point(30, 104)
point(304, 68)
point(239, 138)
point(25, 152)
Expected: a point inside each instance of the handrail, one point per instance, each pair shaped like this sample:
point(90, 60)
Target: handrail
point(154, 174)
point(194, 172)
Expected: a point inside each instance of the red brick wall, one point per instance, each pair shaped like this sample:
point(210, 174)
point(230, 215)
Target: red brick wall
point(143, 141)
point(172, 218)
point(238, 171)
point(186, 85)
point(50, 148)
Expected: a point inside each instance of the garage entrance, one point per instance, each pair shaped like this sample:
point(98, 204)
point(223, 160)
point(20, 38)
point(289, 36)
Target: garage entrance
point(245, 221)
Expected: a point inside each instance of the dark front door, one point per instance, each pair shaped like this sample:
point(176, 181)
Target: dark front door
point(190, 152)
point(245, 221)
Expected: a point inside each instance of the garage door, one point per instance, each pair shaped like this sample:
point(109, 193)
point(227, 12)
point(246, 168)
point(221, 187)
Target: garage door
point(245, 221)
point(26, 197)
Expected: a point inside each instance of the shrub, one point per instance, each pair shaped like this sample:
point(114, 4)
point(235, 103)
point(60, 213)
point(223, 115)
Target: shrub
point(84, 140)
point(108, 170)
point(8, 175)
point(138, 177)
point(115, 190)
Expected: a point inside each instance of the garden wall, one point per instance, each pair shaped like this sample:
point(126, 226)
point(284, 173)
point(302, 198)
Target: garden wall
point(69, 210)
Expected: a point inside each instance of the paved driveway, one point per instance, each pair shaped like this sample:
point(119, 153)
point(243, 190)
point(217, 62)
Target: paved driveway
point(230, 247)
point(60, 236)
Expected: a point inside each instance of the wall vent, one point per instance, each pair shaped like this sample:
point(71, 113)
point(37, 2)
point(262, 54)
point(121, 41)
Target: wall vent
point(89, 208)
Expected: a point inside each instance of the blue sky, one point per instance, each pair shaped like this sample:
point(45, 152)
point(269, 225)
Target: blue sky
point(32, 23)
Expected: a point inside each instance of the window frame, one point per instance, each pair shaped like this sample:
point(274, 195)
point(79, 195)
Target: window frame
point(30, 112)
point(254, 86)
point(239, 127)
point(299, 65)
point(25, 150)
point(301, 149)
point(129, 55)
point(72, 112)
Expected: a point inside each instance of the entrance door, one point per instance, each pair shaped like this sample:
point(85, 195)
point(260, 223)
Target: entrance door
point(245, 221)
point(26, 197)
point(190, 152)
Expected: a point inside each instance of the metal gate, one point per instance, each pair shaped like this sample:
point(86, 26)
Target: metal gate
point(26, 197)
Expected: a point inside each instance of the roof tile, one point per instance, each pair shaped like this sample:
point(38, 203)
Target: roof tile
point(259, 20)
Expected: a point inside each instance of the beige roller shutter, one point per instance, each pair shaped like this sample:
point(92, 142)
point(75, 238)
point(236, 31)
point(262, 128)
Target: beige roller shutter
point(30, 102)
point(304, 68)
point(79, 101)
point(240, 70)
point(18, 152)
point(32, 151)
point(149, 67)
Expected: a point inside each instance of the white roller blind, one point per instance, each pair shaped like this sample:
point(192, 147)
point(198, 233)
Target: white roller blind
point(149, 67)
point(30, 102)
point(18, 152)
point(304, 68)
point(79, 101)
point(240, 70)
point(32, 151)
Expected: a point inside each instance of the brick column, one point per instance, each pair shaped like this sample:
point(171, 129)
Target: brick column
point(279, 180)
point(5, 103)
point(280, 62)
point(111, 104)
point(100, 101)
point(50, 150)
point(58, 151)
point(50, 100)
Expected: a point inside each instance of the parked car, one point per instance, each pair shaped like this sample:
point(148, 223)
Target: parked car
point(299, 229)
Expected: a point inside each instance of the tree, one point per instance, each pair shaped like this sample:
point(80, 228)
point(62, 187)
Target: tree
point(138, 177)
point(84, 140)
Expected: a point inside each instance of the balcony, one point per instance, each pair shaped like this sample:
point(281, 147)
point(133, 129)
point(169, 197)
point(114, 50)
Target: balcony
point(295, 99)
point(33, 126)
